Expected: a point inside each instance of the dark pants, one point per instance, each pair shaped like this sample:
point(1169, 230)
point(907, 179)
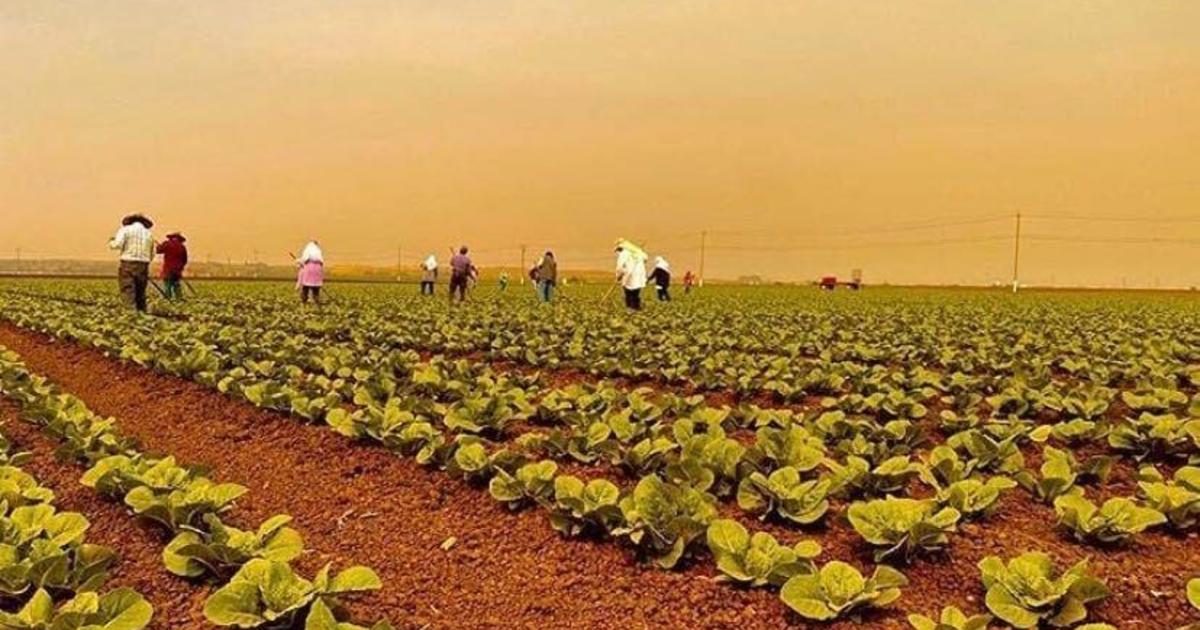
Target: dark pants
point(316, 294)
point(458, 284)
point(545, 290)
point(133, 277)
point(633, 299)
point(664, 294)
point(172, 287)
point(427, 287)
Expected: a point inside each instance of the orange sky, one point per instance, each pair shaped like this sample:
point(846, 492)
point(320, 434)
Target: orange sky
point(807, 137)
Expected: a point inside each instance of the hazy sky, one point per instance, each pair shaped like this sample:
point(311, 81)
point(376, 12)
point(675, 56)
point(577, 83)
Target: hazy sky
point(806, 137)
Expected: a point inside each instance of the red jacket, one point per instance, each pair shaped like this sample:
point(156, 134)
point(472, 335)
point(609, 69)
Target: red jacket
point(174, 257)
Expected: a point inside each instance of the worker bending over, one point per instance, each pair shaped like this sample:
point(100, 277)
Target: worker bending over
point(631, 272)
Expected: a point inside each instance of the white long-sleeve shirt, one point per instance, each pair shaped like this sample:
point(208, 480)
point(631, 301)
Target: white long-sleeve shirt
point(632, 270)
point(135, 243)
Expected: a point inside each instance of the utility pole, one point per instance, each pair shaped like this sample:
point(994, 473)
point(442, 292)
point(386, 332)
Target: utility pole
point(703, 244)
point(1016, 253)
point(521, 271)
point(18, 260)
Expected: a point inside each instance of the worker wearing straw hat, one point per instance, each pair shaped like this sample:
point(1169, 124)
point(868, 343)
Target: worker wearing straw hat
point(136, 244)
point(631, 272)
point(175, 258)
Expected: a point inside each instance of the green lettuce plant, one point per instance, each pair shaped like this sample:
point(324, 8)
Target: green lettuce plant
point(1027, 593)
point(856, 477)
point(160, 490)
point(488, 414)
point(757, 559)
point(952, 618)
point(784, 493)
point(18, 488)
point(789, 446)
point(990, 454)
point(1057, 476)
point(708, 459)
point(585, 508)
point(1178, 499)
point(974, 497)
point(943, 466)
point(221, 550)
point(120, 609)
point(902, 527)
point(268, 594)
point(41, 547)
point(839, 590)
point(1151, 435)
point(530, 483)
point(1117, 521)
point(647, 455)
point(662, 520)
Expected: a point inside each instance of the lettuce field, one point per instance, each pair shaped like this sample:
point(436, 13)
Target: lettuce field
point(742, 457)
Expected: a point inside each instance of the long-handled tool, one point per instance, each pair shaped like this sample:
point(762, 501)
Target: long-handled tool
point(154, 284)
point(608, 294)
point(328, 299)
point(189, 286)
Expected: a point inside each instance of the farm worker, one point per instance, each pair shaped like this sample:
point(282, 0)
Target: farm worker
point(461, 272)
point(661, 277)
point(688, 281)
point(429, 271)
point(503, 280)
point(175, 258)
point(547, 276)
point(631, 272)
point(136, 245)
point(310, 276)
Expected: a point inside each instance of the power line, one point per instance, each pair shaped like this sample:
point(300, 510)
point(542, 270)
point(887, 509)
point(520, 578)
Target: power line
point(1110, 219)
point(815, 246)
point(1113, 241)
point(884, 229)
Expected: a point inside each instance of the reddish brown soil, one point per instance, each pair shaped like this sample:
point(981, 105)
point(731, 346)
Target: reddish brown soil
point(177, 603)
point(357, 503)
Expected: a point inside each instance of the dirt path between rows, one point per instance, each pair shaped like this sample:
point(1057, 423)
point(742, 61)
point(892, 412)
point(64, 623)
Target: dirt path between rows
point(358, 503)
point(177, 604)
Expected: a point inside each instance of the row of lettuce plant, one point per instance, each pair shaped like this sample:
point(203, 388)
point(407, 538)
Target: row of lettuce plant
point(854, 388)
point(50, 576)
point(966, 340)
point(258, 586)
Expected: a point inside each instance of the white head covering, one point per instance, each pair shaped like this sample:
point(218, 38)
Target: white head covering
point(634, 250)
point(661, 263)
point(312, 253)
point(431, 262)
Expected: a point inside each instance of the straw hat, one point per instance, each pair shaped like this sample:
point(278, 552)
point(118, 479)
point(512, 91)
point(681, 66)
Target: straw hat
point(138, 217)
